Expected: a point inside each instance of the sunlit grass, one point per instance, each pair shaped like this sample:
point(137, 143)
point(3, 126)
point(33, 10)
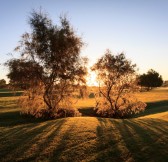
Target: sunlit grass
point(85, 103)
point(158, 94)
point(143, 138)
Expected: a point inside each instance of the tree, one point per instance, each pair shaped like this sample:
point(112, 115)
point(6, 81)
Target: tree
point(150, 80)
point(23, 73)
point(117, 81)
point(2, 83)
point(50, 62)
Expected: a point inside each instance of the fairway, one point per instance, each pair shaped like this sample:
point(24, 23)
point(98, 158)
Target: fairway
point(142, 138)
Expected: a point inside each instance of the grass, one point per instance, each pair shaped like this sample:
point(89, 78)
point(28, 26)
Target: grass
point(9, 93)
point(143, 138)
point(158, 94)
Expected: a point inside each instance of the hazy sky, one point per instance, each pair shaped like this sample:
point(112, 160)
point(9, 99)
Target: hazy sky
point(139, 28)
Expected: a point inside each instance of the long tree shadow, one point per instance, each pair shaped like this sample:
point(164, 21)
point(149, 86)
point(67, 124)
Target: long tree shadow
point(10, 94)
point(27, 142)
point(89, 111)
point(14, 118)
point(154, 108)
point(107, 142)
point(62, 145)
point(77, 143)
point(10, 115)
point(134, 140)
point(147, 137)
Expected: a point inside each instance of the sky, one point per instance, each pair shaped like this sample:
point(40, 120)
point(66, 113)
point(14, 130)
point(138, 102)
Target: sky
point(139, 28)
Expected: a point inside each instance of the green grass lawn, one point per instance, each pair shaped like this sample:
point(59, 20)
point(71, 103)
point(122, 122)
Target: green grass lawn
point(143, 138)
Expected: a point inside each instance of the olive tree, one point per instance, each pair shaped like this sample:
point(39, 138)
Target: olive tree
point(117, 82)
point(50, 63)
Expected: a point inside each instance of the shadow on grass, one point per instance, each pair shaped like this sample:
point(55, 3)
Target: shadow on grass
point(5, 90)
point(154, 108)
point(13, 118)
point(27, 142)
point(132, 140)
point(89, 111)
point(24, 138)
point(46, 141)
point(10, 114)
point(107, 142)
point(10, 94)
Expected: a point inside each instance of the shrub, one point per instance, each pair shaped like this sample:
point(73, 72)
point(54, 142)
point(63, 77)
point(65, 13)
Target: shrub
point(117, 82)
point(124, 109)
point(92, 95)
point(36, 108)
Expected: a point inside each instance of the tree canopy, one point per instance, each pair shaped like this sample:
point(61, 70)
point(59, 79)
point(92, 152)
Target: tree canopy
point(117, 81)
point(150, 80)
point(49, 60)
point(2, 83)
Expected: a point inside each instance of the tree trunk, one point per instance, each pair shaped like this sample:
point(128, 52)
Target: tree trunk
point(46, 98)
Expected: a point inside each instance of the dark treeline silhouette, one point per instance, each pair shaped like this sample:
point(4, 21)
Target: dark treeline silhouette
point(150, 80)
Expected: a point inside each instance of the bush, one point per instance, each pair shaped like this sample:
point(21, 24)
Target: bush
point(36, 108)
point(125, 109)
point(92, 95)
point(67, 112)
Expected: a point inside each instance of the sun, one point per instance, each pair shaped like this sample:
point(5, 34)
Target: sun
point(91, 79)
